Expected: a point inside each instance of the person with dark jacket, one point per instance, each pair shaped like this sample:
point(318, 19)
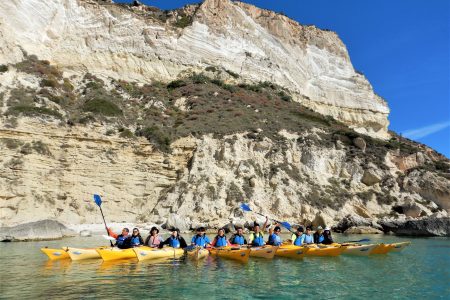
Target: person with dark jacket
point(123, 240)
point(174, 240)
point(318, 236)
point(328, 239)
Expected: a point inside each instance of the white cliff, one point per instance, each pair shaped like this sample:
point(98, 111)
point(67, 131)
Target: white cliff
point(259, 45)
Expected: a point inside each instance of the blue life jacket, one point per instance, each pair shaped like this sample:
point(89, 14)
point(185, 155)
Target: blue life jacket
point(274, 239)
point(237, 239)
point(308, 239)
point(120, 241)
point(298, 240)
point(200, 240)
point(321, 239)
point(221, 241)
point(258, 240)
point(135, 240)
point(174, 242)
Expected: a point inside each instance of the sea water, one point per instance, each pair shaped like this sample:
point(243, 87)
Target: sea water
point(420, 271)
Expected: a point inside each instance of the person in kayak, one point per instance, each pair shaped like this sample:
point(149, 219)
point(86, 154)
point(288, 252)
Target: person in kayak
point(136, 239)
point(123, 240)
point(308, 237)
point(238, 238)
point(154, 239)
point(175, 240)
point(220, 240)
point(274, 238)
point(318, 236)
point(298, 237)
point(256, 238)
point(200, 239)
point(327, 238)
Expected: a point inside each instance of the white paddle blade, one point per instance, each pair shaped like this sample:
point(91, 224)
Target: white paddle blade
point(107, 237)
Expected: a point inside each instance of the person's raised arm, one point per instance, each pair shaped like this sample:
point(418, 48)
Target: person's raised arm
point(265, 224)
point(112, 234)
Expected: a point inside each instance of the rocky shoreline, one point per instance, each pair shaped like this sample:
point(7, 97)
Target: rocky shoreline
point(52, 230)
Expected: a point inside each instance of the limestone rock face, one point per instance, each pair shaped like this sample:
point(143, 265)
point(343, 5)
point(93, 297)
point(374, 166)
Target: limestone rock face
point(40, 230)
point(236, 38)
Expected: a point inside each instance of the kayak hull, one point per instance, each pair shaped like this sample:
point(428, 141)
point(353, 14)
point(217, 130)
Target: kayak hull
point(267, 252)
point(147, 253)
point(82, 253)
point(55, 254)
point(382, 249)
point(198, 253)
point(326, 251)
point(291, 251)
point(398, 247)
point(109, 254)
point(239, 254)
point(359, 250)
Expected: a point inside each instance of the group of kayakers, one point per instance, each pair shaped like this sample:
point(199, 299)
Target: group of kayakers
point(302, 236)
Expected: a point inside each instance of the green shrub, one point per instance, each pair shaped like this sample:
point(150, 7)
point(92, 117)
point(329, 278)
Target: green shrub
point(211, 69)
point(176, 84)
point(126, 133)
point(49, 82)
point(232, 74)
point(3, 68)
point(103, 107)
point(157, 137)
point(284, 96)
point(183, 21)
point(199, 78)
point(32, 111)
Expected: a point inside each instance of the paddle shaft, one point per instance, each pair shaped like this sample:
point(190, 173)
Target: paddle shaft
point(271, 219)
point(106, 227)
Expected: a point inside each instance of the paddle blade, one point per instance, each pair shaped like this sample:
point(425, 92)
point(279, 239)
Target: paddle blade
point(97, 199)
point(286, 225)
point(245, 207)
point(107, 237)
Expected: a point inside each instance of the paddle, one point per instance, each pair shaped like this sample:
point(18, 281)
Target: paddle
point(98, 201)
point(286, 225)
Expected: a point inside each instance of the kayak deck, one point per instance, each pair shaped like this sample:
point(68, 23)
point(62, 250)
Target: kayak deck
point(239, 254)
point(55, 254)
point(291, 251)
point(324, 251)
point(197, 253)
point(146, 253)
point(267, 251)
point(83, 253)
point(108, 254)
point(360, 250)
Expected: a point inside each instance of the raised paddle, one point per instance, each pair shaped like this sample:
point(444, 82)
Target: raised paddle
point(286, 225)
point(98, 201)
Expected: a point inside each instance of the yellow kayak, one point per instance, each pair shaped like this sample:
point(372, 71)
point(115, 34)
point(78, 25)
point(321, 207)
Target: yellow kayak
point(108, 254)
point(360, 250)
point(146, 253)
point(264, 251)
point(291, 251)
point(398, 247)
point(197, 253)
point(382, 249)
point(82, 253)
point(239, 254)
point(323, 251)
point(55, 254)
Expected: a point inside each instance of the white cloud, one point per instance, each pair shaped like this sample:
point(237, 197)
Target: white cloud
point(425, 131)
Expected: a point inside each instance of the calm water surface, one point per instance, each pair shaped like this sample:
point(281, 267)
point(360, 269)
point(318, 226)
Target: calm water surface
point(421, 270)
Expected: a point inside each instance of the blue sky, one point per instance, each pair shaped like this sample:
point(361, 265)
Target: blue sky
point(403, 48)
